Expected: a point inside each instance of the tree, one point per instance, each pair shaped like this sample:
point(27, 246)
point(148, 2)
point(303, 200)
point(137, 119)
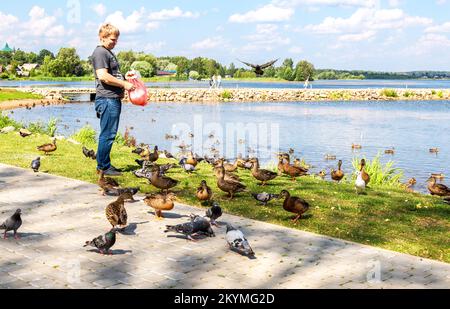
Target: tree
point(194, 75)
point(288, 74)
point(42, 54)
point(20, 57)
point(288, 63)
point(126, 58)
point(304, 70)
point(67, 63)
point(269, 72)
point(182, 66)
point(197, 65)
point(231, 70)
point(145, 68)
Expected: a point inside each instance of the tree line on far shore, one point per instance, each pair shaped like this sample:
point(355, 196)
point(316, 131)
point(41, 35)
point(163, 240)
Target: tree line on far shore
point(67, 63)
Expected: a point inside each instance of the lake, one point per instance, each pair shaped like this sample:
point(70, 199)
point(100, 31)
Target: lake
point(320, 84)
point(312, 129)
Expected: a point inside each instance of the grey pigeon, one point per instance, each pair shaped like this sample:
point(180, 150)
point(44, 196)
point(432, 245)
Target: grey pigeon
point(187, 167)
point(103, 242)
point(237, 242)
point(196, 225)
point(36, 164)
point(12, 224)
point(265, 197)
point(214, 213)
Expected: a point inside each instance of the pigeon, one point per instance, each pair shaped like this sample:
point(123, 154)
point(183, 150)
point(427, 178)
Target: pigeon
point(12, 224)
point(120, 191)
point(89, 153)
point(103, 243)
point(265, 197)
point(189, 168)
point(214, 213)
point(237, 242)
point(24, 132)
point(196, 225)
point(36, 164)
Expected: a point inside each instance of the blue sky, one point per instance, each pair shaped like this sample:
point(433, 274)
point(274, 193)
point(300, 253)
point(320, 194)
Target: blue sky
point(382, 35)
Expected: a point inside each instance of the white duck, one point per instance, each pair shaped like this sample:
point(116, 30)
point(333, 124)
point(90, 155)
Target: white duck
point(360, 184)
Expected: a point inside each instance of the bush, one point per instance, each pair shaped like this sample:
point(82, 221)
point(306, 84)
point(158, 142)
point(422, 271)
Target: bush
point(440, 94)
point(4, 75)
point(226, 95)
point(145, 68)
point(408, 94)
point(5, 121)
point(86, 135)
point(51, 127)
point(390, 93)
point(37, 127)
point(380, 175)
point(194, 75)
point(433, 92)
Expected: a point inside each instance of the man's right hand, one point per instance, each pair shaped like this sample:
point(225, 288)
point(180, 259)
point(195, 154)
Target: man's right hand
point(128, 86)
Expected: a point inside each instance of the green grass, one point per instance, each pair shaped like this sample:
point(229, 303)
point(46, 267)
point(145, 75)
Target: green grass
point(386, 217)
point(9, 95)
point(390, 93)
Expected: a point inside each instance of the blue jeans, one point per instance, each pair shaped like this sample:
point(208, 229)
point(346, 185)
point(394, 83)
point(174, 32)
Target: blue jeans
point(109, 111)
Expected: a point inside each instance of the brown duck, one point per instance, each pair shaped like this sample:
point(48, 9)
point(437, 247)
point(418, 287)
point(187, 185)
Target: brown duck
point(261, 174)
point(204, 192)
point(106, 182)
point(160, 202)
point(160, 181)
point(437, 188)
point(228, 175)
point(339, 174)
point(231, 187)
point(191, 159)
point(230, 167)
point(291, 170)
point(153, 156)
point(294, 204)
point(116, 213)
point(364, 174)
point(48, 147)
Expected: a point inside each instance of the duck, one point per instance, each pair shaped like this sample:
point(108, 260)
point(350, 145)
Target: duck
point(294, 204)
point(116, 212)
point(191, 159)
point(153, 156)
point(439, 176)
point(339, 174)
point(228, 175)
point(265, 197)
point(204, 192)
point(230, 167)
point(46, 148)
point(160, 202)
point(301, 164)
point(160, 181)
point(360, 184)
point(291, 151)
point(434, 150)
point(364, 174)
point(168, 155)
point(330, 157)
point(390, 151)
point(231, 187)
point(322, 174)
point(291, 170)
point(411, 182)
point(106, 183)
point(356, 146)
point(437, 188)
point(262, 175)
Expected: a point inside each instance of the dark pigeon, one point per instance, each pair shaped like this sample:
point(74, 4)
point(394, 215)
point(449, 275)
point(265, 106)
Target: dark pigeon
point(36, 164)
point(214, 213)
point(12, 224)
point(197, 225)
point(103, 242)
point(237, 242)
point(265, 197)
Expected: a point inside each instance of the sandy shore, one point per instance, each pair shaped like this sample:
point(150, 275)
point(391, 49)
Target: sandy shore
point(29, 103)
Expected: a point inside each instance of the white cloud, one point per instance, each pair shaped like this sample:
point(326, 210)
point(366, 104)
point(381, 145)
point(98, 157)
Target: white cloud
point(445, 27)
point(341, 3)
point(357, 37)
point(394, 3)
point(99, 8)
point(153, 47)
point(266, 38)
point(129, 24)
point(267, 13)
point(7, 21)
point(441, 2)
point(209, 43)
point(152, 25)
point(174, 13)
point(41, 25)
point(427, 43)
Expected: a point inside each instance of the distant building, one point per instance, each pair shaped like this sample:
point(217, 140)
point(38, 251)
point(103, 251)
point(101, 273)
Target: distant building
point(26, 68)
point(166, 73)
point(7, 49)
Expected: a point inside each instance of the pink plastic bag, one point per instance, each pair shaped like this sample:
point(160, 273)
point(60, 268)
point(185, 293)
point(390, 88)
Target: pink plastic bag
point(139, 95)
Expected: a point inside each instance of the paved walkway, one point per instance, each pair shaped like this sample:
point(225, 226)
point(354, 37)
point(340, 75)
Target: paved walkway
point(60, 214)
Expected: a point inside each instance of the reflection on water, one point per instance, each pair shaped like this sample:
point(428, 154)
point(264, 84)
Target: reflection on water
point(312, 129)
point(320, 84)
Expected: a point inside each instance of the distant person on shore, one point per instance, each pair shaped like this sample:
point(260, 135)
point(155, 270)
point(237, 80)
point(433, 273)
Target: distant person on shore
point(110, 85)
point(306, 84)
point(219, 80)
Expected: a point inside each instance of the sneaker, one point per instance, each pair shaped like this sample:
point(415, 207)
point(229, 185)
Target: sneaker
point(112, 172)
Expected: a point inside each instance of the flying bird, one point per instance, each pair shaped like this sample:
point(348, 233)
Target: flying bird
point(258, 68)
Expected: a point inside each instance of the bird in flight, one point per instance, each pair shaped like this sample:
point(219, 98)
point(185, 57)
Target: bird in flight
point(258, 68)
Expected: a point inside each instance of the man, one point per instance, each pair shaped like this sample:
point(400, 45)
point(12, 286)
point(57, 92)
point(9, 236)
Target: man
point(110, 86)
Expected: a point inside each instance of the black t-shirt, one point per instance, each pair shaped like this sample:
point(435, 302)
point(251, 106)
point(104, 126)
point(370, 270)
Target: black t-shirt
point(103, 58)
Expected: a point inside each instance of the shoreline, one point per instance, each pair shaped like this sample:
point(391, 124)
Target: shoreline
point(53, 96)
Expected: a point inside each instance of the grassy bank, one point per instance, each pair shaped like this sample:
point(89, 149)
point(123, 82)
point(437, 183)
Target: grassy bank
point(10, 95)
point(386, 217)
